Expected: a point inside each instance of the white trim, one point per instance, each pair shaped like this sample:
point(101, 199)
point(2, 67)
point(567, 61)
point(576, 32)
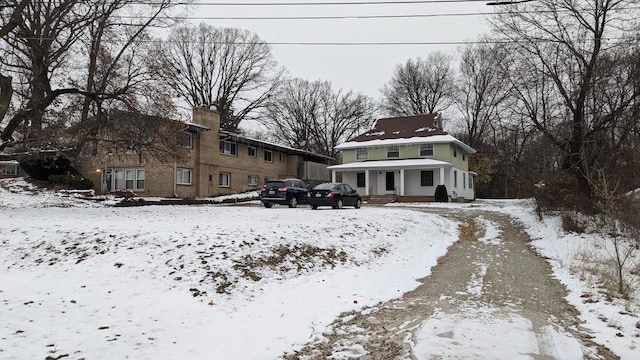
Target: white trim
point(434, 139)
point(384, 164)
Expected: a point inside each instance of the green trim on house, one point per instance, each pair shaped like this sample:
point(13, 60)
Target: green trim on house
point(441, 151)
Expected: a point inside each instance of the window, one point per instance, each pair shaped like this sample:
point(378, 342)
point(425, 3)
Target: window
point(455, 179)
point(281, 157)
point(426, 149)
point(128, 179)
point(224, 180)
point(470, 181)
point(455, 151)
point(268, 155)
point(183, 176)
point(463, 156)
point(362, 154)
point(393, 151)
point(185, 139)
point(464, 180)
point(252, 180)
point(251, 151)
point(227, 148)
point(139, 178)
point(426, 178)
point(360, 180)
point(9, 167)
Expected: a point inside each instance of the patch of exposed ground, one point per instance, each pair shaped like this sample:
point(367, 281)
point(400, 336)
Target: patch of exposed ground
point(502, 273)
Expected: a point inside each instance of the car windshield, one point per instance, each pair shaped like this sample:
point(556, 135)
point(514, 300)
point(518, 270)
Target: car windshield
point(274, 184)
point(327, 186)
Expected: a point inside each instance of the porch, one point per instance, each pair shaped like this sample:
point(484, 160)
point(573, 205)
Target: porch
point(407, 180)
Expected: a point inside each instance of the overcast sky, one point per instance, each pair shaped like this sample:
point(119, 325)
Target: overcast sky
point(362, 68)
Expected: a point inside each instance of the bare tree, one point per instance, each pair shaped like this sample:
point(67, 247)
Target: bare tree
point(112, 66)
point(420, 86)
point(41, 53)
point(563, 43)
point(621, 234)
point(230, 68)
point(6, 27)
point(312, 116)
point(41, 43)
point(121, 133)
point(481, 89)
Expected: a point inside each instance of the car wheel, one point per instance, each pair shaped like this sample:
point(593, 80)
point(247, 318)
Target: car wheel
point(358, 204)
point(314, 207)
point(293, 202)
point(268, 205)
point(338, 204)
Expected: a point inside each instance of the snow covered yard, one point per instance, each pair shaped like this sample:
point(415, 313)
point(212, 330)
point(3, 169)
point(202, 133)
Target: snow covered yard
point(86, 280)
point(227, 282)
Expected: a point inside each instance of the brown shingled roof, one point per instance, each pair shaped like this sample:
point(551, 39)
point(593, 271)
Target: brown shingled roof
point(402, 128)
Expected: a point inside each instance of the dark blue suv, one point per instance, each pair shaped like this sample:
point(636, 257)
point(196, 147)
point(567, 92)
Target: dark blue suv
point(289, 191)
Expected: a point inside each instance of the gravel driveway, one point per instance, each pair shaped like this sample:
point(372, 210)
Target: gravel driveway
point(501, 273)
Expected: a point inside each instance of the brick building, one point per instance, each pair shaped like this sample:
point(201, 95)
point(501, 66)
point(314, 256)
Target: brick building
point(218, 163)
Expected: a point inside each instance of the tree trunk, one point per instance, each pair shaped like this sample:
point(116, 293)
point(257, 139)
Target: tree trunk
point(6, 91)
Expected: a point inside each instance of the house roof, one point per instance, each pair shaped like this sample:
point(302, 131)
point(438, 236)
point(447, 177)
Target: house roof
point(391, 164)
point(195, 127)
point(271, 146)
point(403, 130)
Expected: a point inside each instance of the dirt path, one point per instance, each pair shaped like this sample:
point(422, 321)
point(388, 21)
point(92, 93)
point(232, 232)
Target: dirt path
point(493, 276)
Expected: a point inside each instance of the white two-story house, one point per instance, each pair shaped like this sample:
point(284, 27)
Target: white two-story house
point(406, 158)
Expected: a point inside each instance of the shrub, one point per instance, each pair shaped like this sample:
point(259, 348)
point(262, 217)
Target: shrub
point(441, 194)
point(126, 195)
point(41, 168)
point(560, 191)
point(571, 224)
point(72, 181)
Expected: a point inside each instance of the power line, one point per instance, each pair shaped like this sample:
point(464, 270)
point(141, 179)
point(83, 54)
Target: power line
point(325, 3)
point(318, 17)
point(358, 43)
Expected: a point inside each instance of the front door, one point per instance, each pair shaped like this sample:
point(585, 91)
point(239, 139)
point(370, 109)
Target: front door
point(108, 180)
point(391, 181)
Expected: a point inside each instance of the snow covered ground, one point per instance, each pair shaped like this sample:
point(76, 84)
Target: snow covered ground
point(82, 278)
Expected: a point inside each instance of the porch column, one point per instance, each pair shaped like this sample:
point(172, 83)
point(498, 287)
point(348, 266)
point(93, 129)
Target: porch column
point(441, 176)
point(333, 176)
point(366, 182)
point(401, 182)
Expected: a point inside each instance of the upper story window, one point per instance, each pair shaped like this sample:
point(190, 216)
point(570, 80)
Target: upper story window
point(455, 151)
point(228, 148)
point(251, 151)
point(185, 139)
point(393, 151)
point(362, 154)
point(281, 157)
point(426, 149)
point(268, 156)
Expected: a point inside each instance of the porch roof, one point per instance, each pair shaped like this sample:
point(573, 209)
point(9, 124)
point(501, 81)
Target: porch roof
point(391, 164)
